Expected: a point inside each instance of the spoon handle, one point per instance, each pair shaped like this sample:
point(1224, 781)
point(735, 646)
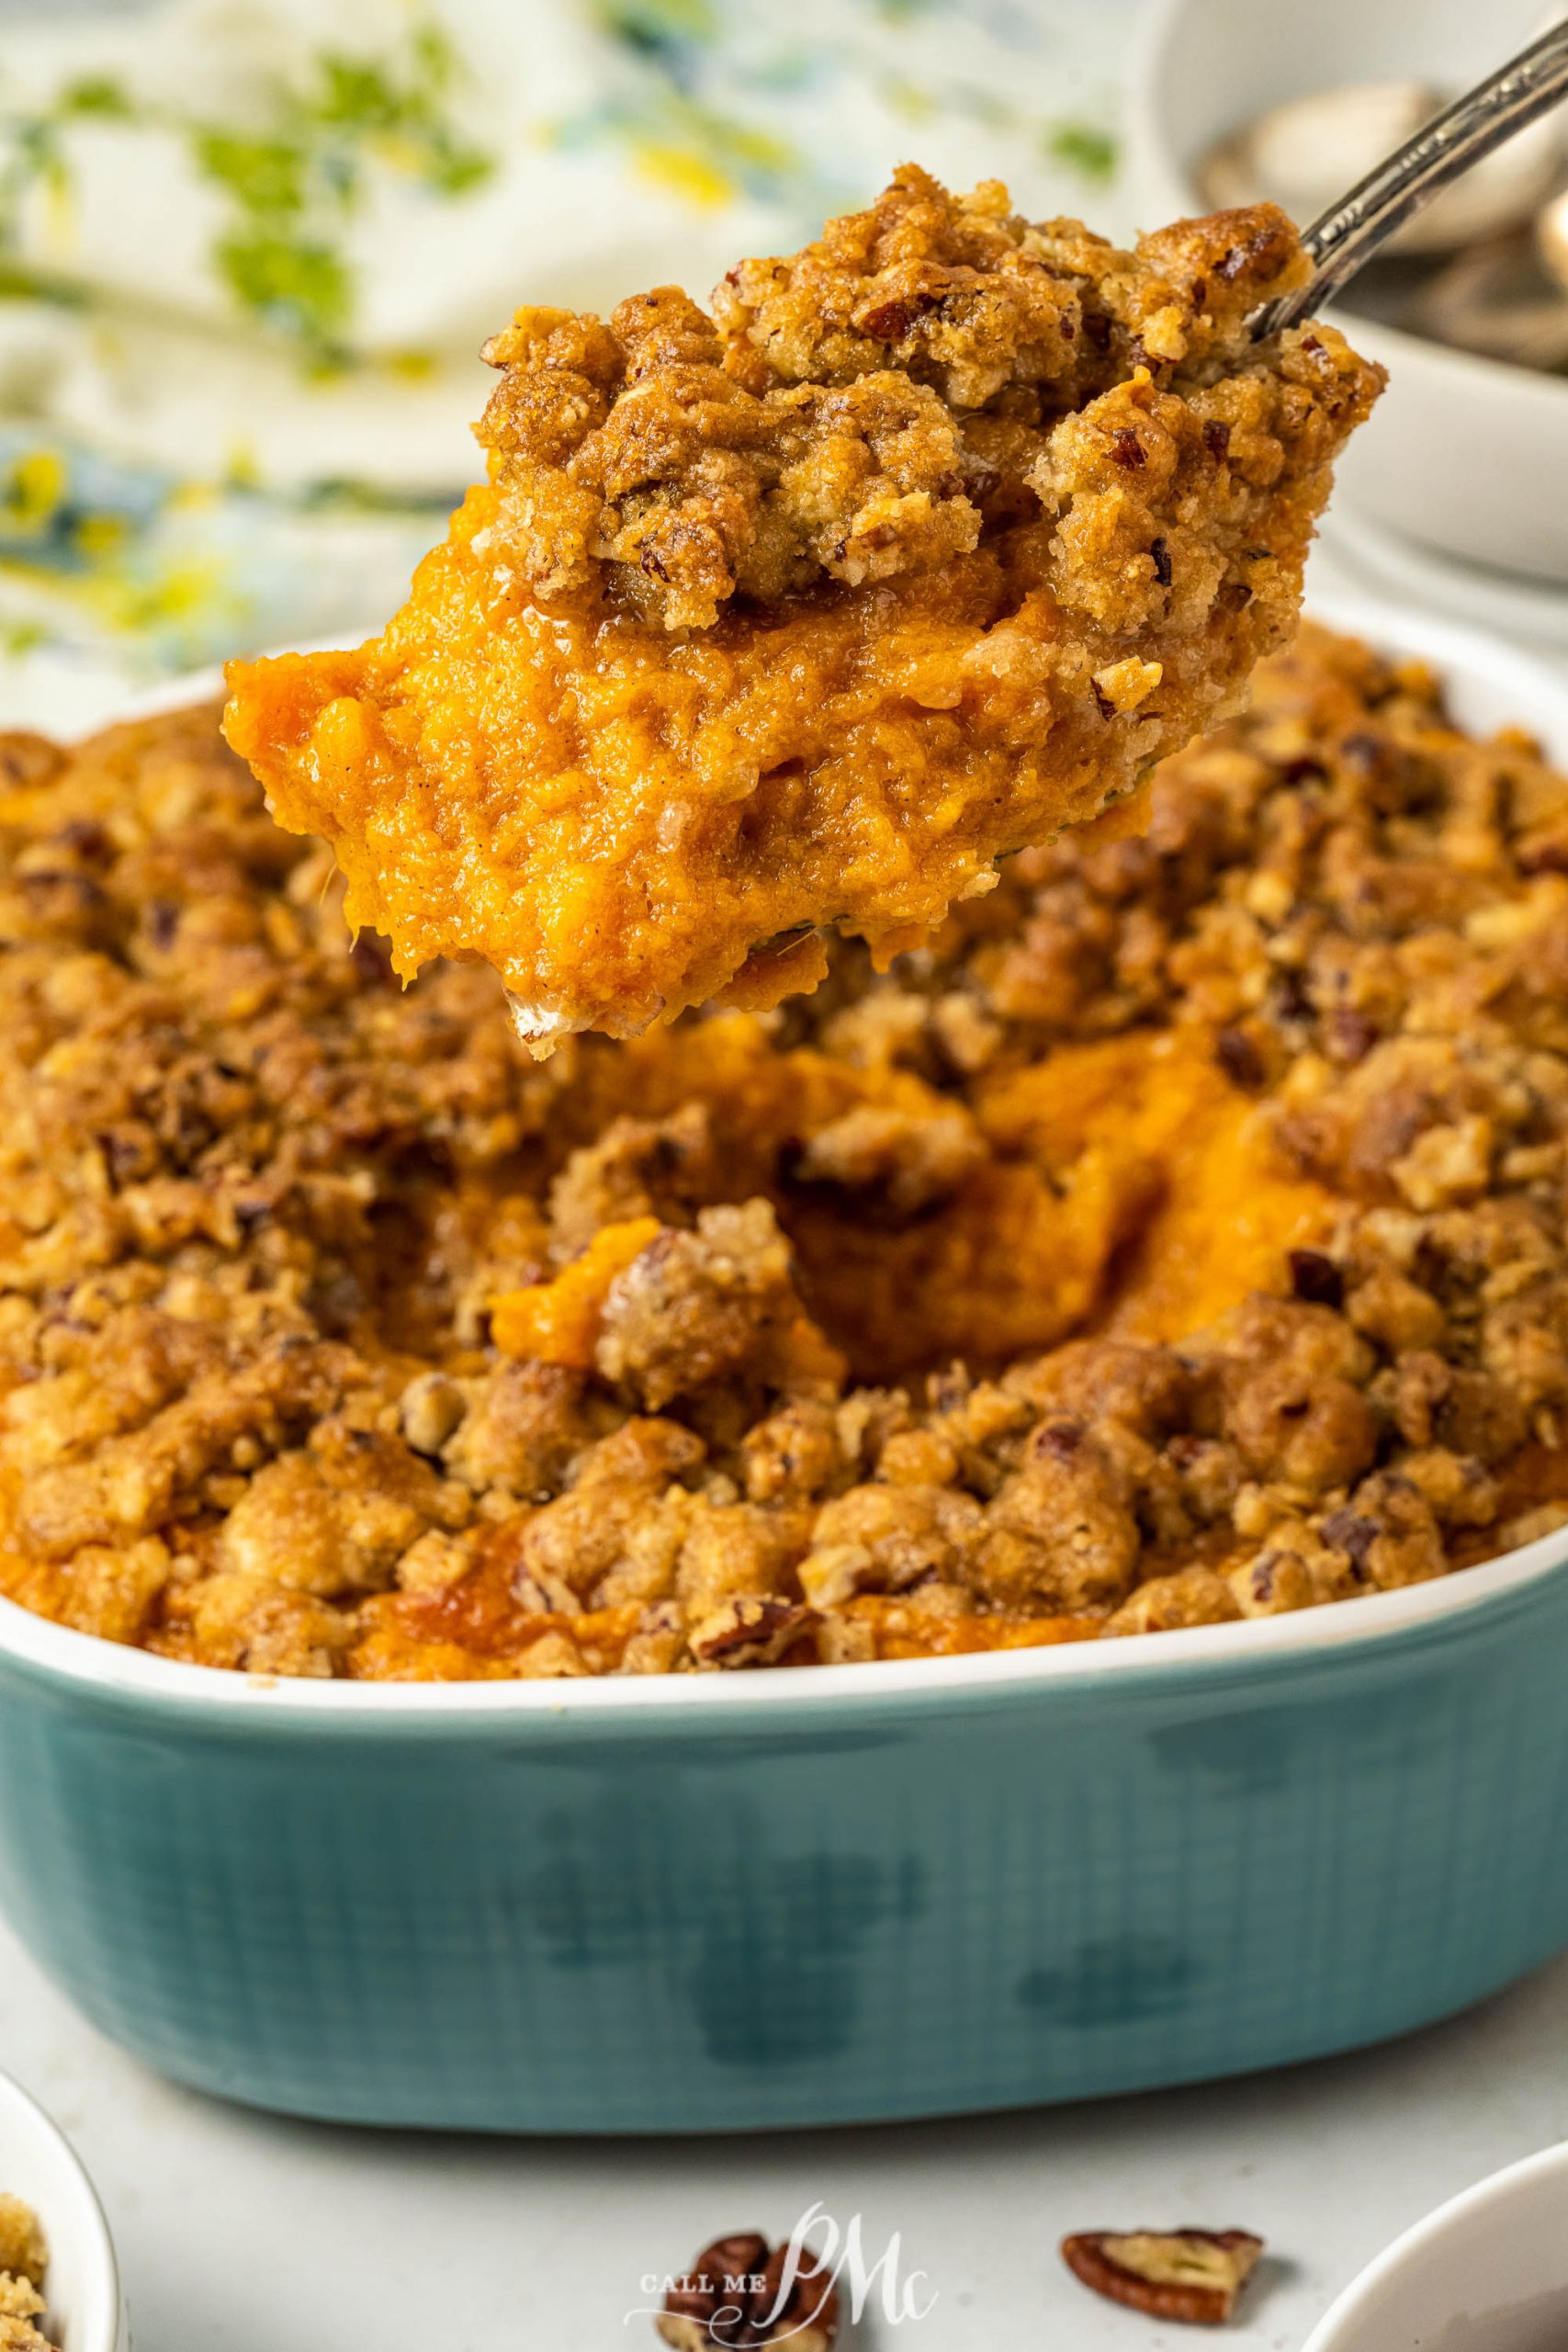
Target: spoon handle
point(1340, 240)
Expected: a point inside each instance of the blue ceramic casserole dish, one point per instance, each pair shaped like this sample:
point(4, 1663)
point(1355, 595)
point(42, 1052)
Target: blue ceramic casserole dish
point(706, 1903)
point(724, 1901)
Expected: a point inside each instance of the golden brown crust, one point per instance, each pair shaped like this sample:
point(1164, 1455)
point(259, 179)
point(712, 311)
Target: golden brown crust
point(1229, 1160)
point(856, 411)
point(689, 489)
point(929, 542)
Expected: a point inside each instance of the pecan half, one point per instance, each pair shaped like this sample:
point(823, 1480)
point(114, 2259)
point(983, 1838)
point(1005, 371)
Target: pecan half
point(1191, 2276)
point(728, 2301)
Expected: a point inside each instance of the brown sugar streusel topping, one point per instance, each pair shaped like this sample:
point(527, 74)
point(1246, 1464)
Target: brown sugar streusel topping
point(868, 407)
point(1178, 1238)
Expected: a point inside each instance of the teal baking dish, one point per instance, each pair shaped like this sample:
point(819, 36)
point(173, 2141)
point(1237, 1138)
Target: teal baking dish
point(723, 1902)
point(715, 1903)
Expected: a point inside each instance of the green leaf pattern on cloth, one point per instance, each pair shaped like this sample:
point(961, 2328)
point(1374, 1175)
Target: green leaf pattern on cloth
point(247, 256)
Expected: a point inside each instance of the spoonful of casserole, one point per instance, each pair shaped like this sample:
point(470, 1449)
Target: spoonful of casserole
point(796, 613)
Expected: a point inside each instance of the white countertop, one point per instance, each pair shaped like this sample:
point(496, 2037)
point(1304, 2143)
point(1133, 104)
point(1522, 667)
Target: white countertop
point(242, 2233)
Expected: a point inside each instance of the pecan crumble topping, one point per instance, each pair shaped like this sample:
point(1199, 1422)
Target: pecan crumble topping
point(1178, 1238)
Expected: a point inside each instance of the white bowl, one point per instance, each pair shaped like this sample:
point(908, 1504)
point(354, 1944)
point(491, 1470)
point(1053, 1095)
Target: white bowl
point(38, 2164)
point(1463, 454)
point(1487, 2272)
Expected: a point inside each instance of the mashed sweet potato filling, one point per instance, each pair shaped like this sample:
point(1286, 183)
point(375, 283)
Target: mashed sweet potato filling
point(1080, 1195)
point(928, 542)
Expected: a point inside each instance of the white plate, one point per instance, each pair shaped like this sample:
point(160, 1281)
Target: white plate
point(1397, 570)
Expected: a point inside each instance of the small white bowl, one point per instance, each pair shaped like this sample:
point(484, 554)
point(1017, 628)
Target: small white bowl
point(86, 2313)
point(1487, 2272)
point(1463, 454)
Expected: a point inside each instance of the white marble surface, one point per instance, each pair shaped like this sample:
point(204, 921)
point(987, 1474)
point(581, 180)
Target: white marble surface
point(241, 2233)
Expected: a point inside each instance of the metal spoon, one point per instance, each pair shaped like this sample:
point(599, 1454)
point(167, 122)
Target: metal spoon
point(1339, 240)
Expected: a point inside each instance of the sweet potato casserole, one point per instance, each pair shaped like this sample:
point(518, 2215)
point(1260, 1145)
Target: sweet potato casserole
point(927, 541)
point(1178, 1236)
point(24, 2257)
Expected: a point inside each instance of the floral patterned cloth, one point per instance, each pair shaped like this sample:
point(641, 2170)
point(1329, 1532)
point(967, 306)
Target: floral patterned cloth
point(249, 248)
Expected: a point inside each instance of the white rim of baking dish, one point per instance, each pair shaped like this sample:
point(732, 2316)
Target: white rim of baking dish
point(74, 2223)
point(1424, 2236)
point(114, 1668)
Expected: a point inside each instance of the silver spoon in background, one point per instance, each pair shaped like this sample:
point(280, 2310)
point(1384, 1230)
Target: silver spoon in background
point(1341, 239)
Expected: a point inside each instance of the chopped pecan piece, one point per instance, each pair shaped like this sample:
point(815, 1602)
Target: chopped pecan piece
point(1191, 2276)
point(1316, 1278)
point(749, 1630)
point(1239, 1058)
point(735, 2296)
